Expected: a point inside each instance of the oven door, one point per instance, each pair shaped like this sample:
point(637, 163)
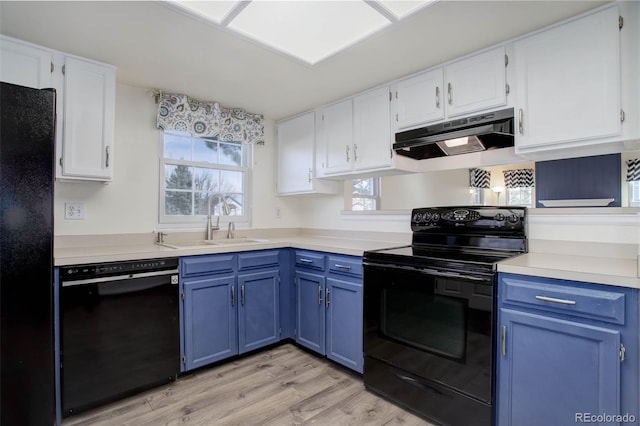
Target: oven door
point(436, 326)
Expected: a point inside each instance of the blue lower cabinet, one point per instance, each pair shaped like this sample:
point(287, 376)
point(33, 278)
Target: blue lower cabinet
point(210, 329)
point(567, 352)
point(344, 323)
point(258, 309)
point(329, 306)
point(310, 315)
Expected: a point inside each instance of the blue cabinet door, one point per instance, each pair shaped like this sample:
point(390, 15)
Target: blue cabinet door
point(209, 320)
point(551, 370)
point(343, 300)
point(310, 316)
point(258, 309)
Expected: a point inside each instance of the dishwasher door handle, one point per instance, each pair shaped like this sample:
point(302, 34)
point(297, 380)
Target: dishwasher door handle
point(120, 277)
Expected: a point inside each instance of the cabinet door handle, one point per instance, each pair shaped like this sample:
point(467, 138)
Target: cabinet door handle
point(437, 96)
point(233, 296)
point(242, 294)
point(107, 152)
point(554, 300)
point(355, 152)
point(347, 148)
point(326, 297)
point(340, 266)
point(449, 93)
point(520, 119)
point(310, 171)
point(319, 295)
point(503, 340)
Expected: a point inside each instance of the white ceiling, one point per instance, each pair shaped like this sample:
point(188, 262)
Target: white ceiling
point(155, 46)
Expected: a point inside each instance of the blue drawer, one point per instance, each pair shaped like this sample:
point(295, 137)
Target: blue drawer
point(207, 264)
point(310, 260)
point(347, 265)
point(260, 259)
point(555, 296)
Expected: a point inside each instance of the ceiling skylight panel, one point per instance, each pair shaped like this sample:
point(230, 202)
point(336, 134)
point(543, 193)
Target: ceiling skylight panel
point(214, 11)
point(308, 30)
point(402, 8)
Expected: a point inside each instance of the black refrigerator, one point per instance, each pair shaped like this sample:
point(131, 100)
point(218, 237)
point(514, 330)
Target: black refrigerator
point(27, 135)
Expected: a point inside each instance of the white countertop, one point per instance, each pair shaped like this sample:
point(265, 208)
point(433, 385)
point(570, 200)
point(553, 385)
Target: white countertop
point(600, 270)
point(112, 253)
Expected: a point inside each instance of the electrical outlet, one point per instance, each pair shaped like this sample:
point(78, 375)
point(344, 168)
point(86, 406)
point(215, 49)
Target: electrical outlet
point(74, 211)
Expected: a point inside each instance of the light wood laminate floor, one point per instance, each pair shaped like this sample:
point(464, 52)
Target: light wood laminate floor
point(280, 386)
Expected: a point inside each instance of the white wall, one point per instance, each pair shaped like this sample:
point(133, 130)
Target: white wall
point(129, 204)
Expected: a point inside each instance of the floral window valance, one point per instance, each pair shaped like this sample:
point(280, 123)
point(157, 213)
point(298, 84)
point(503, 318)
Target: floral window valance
point(209, 119)
point(519, 178)
point(479, 178)
point(633, 170)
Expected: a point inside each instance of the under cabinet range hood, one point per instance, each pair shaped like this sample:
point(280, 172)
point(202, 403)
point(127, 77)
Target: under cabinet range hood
point(482, 132)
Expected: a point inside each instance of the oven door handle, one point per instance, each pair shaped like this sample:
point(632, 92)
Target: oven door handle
point(434, 272)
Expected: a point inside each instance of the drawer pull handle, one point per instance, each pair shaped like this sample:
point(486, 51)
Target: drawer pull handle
point(303, 260)
point(554, 300)
point(339, 266)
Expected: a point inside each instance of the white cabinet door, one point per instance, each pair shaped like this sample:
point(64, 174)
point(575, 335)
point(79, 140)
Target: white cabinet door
point(24, 64)
point(335, 138)
point(568, 82)
point(296, 138)
point(476, 83)
point(89, 108)
point(372, 129)
point(419, 99)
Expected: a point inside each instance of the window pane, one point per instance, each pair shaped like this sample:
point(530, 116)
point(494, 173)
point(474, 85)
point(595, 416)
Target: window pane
point(206, 179)
point(178, 177)
point(363, 186)
point(231, 182)
point(205, 150)
point(231, 154)
point(360, 204)
point(177, 147)
point(235, 203)
point(177, 203)
point(201, 200)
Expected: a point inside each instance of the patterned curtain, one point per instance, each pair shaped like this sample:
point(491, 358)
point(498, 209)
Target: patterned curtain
point(209, 119)
point(479, 178)
point(519, 178)
point(633, 170)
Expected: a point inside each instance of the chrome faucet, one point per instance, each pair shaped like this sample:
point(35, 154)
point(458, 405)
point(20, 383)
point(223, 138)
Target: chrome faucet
point(210, 227)
point(225, 210)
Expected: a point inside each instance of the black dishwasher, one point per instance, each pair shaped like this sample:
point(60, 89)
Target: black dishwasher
point(119, 330)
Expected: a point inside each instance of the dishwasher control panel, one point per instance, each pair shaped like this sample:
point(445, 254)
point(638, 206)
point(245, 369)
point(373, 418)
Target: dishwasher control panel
point(77, 272)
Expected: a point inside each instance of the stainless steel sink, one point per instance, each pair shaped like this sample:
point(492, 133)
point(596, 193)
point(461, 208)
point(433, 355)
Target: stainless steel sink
point(205, 243)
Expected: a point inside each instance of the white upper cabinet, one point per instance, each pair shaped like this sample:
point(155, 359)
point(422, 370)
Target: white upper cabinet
point(569, 84)
point(372, 130)
point(420, 99)
point(335, 138)
point(85, 104)
point(476, 83)
point(25, 65)
point(89, 108)
point(296, 156)
point(472, 84)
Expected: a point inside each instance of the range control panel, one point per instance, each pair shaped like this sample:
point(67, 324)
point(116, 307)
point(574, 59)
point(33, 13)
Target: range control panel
point(485, 218)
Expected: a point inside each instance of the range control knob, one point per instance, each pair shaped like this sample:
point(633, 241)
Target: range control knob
point(417, 217)
point(499, 217)
point(514, 218)
point(435, 217)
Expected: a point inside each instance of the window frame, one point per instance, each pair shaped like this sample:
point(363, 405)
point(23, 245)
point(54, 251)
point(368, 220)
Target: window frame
point(508, 194)
point(376, 196)
point(191, 220)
